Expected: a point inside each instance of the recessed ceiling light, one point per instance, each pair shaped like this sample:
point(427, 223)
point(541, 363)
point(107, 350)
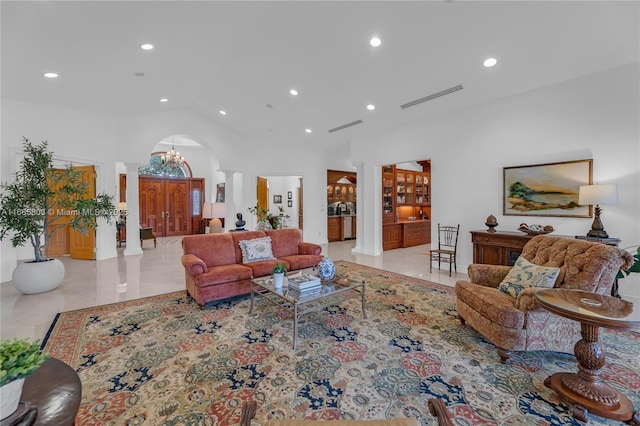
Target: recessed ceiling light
point(307, 130)
point(371, 107)
point(294, 92)
point(490, 62)
point(375, 42)
point(50, 74)
point(146, 46)
point(164, 100)
point(222, 112)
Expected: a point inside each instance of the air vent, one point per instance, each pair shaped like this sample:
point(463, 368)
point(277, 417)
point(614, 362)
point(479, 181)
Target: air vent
point(344, 126)
point(431, 97)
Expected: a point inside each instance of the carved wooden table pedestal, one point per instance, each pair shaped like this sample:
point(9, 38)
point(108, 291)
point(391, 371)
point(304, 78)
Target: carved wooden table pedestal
point(585, 388)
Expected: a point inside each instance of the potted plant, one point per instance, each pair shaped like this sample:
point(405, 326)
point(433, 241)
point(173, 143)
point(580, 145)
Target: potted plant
point(279, 271)
point(19, 358)
point(262, 215)
point(40, 201)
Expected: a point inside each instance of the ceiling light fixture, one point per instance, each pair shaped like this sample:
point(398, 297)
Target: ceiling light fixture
point(375, 42)
point(172, 158)
point(344, 180)
point(371, 107)
point(164, 100)
point(308, 130)
point(146, 46)
point(222, 112)
point(490, 62)
point(294, 92)
point(50, 74)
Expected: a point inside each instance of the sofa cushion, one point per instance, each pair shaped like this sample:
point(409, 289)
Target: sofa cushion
point(223, 274)
point(213, 249)
point(497, 306)
point(285, 242)
point(525, 274)
point(256, 249)
point(263, 268)
point(301, 261)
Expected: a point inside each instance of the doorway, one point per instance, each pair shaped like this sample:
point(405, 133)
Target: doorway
point(68, 241)
point(282, 196)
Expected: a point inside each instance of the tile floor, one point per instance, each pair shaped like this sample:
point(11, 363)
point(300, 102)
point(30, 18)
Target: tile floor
point(156, 271)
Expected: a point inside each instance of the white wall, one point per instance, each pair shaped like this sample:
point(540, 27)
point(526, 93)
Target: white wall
point(74, 136)
point(590, 117)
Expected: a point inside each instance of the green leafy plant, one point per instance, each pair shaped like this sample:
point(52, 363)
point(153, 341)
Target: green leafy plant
point(43, 199)
point(635, 266)
point(19, 358)
point(280, 268)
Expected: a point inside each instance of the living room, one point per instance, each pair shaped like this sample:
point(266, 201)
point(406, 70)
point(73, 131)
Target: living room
point(580, 101)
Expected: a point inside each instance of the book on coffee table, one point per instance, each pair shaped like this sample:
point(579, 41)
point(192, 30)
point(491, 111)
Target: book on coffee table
point(304, 282)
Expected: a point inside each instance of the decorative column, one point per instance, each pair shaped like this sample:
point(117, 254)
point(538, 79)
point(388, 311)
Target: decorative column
point(229, 200)
point(133, 211)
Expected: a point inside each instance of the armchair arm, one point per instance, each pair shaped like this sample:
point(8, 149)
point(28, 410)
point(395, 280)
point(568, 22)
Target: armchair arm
point(487, 275)
point(527, 301)
point(193, 264)
point(309, 248)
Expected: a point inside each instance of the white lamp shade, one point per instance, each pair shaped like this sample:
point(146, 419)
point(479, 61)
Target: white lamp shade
point(598, 195)
point(122, 205)
point(207, 211)
point(212, 210)
point(219, 210)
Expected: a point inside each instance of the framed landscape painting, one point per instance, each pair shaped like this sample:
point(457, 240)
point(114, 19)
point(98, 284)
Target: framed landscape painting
point(546, 189)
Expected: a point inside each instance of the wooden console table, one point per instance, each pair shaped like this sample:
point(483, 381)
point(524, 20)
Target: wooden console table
point(498, 248)
point(586, 389)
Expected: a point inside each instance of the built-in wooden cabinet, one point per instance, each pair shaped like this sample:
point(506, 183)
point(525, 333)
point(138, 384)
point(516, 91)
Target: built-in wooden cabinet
point(406, 203)
point(391, 236)
point(334, 228)
point(388, 194)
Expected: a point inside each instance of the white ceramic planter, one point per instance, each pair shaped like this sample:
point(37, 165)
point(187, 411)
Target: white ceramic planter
point(38, 277)
point(10, 397)
point(278, 280)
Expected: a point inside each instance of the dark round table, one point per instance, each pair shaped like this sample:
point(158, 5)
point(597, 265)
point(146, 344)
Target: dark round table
point(55, 391)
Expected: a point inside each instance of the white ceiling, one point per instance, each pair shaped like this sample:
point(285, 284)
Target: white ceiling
point(241, 56)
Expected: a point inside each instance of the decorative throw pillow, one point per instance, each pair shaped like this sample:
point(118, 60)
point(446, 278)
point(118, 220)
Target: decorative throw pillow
point(256, 249)
point(525, 274)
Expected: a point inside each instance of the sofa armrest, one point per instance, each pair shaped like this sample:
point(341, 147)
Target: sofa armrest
point(527, 301)
point(487, 275)
point(309, 248)
point(193, 264)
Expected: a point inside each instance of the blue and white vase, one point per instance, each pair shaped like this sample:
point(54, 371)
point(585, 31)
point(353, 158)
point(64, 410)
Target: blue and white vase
point(326, 269)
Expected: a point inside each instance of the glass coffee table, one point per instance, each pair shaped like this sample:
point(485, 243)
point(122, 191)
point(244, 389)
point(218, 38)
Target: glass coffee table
point(331, 293)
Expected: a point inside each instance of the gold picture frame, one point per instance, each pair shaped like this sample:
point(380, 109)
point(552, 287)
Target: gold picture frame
point(549, 189)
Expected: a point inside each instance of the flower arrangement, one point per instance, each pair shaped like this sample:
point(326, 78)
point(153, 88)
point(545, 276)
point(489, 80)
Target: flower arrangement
point(19, 358)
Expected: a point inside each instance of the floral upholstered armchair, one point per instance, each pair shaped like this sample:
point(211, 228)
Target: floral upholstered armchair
point(499, 301)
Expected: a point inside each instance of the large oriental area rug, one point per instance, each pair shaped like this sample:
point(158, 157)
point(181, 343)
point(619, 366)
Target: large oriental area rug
point(163, 361)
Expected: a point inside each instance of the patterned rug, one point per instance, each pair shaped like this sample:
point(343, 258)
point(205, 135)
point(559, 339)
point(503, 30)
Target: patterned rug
point(162, 361)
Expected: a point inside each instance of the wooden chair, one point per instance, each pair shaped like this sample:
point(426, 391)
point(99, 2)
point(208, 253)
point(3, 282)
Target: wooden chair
point(447, 247)
point(147, 234)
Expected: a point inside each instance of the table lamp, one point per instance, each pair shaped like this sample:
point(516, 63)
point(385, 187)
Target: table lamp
point(214, 211)
point(596, 195)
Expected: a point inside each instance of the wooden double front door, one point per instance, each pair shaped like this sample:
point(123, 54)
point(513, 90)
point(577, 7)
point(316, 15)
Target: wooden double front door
point(171, 206)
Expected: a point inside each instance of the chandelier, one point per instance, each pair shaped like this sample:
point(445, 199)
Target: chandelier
point(172, 158)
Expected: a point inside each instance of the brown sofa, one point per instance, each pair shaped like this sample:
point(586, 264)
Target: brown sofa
point(520, 323)
point(214, 268)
